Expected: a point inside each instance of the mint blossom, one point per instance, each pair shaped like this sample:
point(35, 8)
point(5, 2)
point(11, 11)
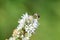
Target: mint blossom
point(25, 29)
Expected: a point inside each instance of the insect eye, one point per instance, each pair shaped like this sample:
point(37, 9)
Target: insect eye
point(38, 16)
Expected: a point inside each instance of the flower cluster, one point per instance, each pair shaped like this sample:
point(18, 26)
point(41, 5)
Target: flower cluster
point(25, 29)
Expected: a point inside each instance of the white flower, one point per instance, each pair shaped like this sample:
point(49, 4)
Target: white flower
point(22, 36)
point(22, 21)
point(25, 38)
point(12, 38)
point(27, 26)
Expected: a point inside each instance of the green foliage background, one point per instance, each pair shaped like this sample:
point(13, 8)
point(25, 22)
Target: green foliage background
point(49, 10)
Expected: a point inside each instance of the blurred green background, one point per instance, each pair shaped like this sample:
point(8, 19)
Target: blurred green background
point(49, 10)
